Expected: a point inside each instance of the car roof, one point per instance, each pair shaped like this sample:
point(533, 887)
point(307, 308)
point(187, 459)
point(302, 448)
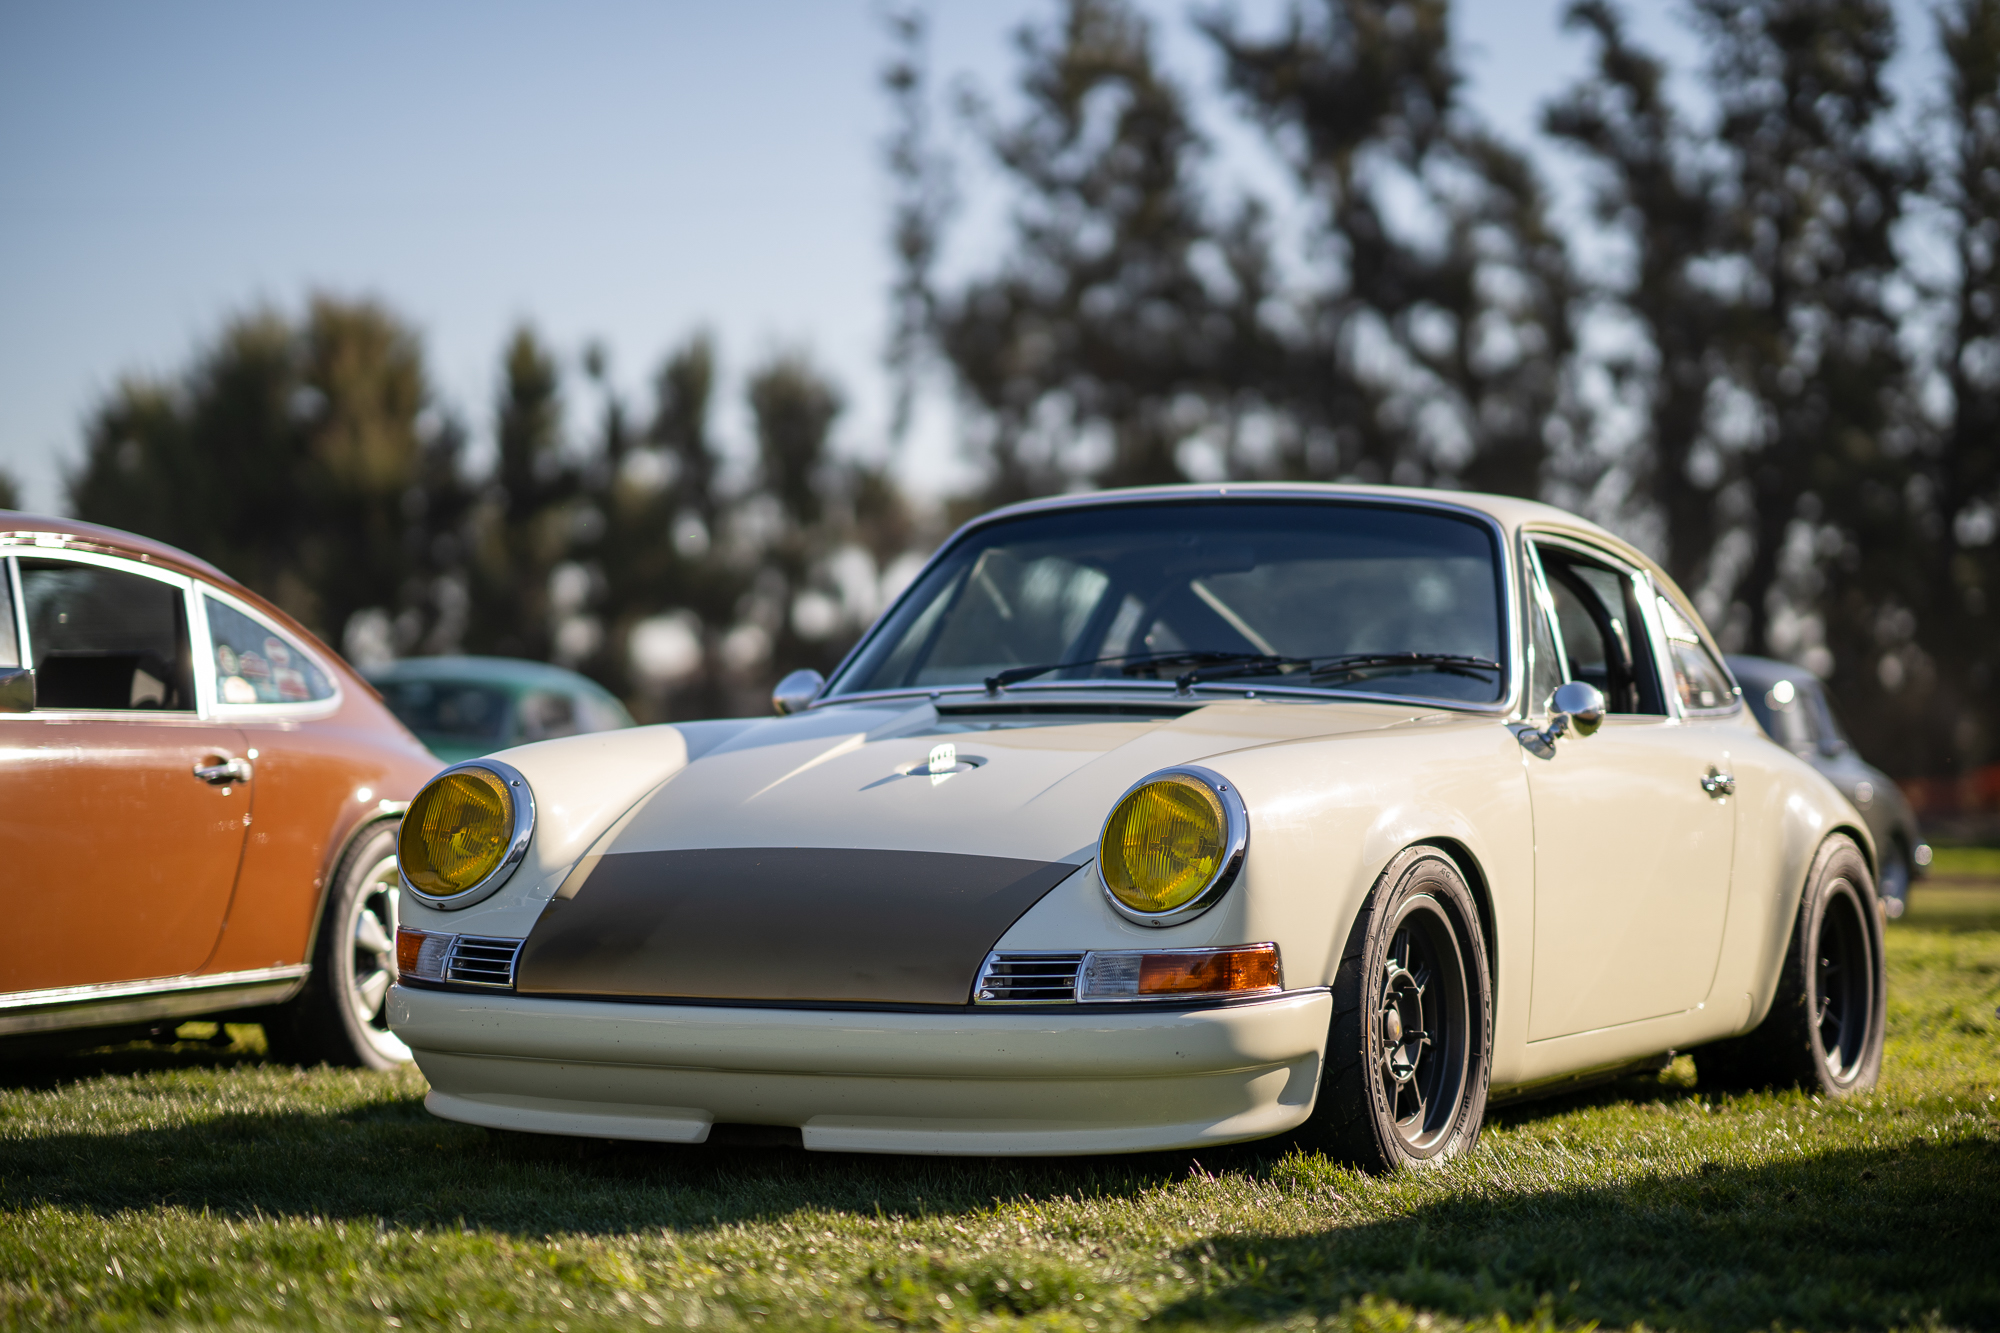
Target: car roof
point(1511, 511)
point(513, 672)
point(74, 533)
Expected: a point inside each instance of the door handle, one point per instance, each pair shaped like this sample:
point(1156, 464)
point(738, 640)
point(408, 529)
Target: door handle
point(1718, 784)
point(222, 774)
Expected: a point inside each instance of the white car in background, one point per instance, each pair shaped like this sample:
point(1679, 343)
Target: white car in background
point(1156, 819)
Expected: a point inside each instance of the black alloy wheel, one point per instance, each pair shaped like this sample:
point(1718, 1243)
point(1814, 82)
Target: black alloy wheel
point(1843, 991)
point(1409, 1051)
point(1422, 1025)
point(1825, 1026)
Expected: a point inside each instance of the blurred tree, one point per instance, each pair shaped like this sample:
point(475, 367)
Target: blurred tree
point(523, 527)
point(1111, 313)
point(1657, 190)
point(794, 407)
point(1812, 198)
point(1434, 347)
point(1956, 632)
point(10, 491)
point(925, 199)
point(284, 455)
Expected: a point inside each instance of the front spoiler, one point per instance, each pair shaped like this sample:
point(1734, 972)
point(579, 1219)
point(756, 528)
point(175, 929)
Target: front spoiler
point(973, 1082)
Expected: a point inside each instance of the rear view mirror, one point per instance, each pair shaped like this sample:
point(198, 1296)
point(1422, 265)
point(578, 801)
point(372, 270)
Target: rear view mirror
point(17, 690)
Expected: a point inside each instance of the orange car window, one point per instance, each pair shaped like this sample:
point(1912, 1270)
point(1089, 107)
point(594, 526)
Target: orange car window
point(103, 638)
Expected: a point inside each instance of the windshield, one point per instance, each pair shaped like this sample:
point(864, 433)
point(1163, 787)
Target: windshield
point(1280, 588)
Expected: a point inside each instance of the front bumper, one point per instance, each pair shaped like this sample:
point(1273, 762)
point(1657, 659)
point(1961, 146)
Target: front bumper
point(982, 1083)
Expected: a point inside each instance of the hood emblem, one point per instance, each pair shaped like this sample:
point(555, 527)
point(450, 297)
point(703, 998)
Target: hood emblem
point(942, 764)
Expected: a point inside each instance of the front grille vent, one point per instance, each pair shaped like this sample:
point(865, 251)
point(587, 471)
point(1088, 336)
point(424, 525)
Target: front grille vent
point(1028, 978)
point(479, 961)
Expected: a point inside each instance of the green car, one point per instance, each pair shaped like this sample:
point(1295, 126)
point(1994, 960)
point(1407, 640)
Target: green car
point(464, 707)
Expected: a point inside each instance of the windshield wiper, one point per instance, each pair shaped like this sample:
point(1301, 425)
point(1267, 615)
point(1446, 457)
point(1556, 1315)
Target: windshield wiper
point(1457, 664)
point(1134, 663)
point(1454, 664)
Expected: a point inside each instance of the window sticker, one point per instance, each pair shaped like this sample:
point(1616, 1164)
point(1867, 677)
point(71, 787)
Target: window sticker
point(255, 666)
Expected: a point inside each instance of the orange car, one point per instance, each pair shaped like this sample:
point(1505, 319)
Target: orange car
point(198, 804)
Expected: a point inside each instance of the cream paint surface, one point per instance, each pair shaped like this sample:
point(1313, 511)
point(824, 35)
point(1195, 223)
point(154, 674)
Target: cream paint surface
point(1632, 865)
point(582, 784)
point(1040, 794)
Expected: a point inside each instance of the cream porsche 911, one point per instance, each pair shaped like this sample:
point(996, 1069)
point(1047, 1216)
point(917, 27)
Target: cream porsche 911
point(1156, 819)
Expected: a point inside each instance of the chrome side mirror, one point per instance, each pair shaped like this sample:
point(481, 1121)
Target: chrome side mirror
point(797, 690)
point(1578, 706)
point(17, 690)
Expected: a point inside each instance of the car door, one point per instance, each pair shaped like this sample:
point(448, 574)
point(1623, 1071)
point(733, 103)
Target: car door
point(1633, 837)
point(122, 818)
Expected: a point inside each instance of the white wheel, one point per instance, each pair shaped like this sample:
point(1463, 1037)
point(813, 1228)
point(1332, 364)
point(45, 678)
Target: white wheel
point(369, 965)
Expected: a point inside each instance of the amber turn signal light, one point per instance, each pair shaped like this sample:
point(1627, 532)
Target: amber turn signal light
point(1133, 974)
point(421, 954)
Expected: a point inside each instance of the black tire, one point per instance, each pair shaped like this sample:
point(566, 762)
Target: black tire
point(340, 1017)
point(1893, 886)
point(1824, 1032)
point(1410, 1050)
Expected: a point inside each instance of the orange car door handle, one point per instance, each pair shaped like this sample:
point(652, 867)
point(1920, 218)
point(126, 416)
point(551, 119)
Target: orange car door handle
point(221, 774)
point(1719, 784)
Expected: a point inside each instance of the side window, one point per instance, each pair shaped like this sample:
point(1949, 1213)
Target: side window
point(546, 715)
point(1698, 678)
point(103, 638)
point(1597, 612)
point(255, 666)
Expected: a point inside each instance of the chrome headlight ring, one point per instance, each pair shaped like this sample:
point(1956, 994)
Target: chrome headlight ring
point(1235, 842)
point(517, 842)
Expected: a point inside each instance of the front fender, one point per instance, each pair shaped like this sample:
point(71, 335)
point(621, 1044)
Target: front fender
point(1326, 815)
point(583, 785)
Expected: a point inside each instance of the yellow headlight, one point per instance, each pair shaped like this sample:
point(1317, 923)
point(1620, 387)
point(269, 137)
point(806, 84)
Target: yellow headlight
point(456, 832)
point(1164, 844)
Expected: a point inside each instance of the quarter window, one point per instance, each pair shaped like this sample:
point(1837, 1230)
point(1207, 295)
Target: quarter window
point(1698, 677)
point(1597, 612)
point(255, 666)
point(104, 638)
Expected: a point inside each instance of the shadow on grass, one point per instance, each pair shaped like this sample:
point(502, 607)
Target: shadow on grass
point(391, 1159)
point(1846, 1239)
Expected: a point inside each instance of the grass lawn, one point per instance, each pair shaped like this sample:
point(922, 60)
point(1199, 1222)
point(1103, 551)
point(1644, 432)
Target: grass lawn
point(150, 1187)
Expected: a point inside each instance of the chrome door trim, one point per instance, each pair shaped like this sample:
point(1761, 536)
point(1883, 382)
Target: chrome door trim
point(12, 573)
point(140, 1001)
point(112, 990)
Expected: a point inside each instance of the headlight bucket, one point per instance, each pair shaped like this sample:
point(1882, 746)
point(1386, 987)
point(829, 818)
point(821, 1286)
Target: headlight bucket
point(1172, 845)
point(465, 833)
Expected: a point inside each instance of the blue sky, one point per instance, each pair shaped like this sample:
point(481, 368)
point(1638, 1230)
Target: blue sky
point(606, 169)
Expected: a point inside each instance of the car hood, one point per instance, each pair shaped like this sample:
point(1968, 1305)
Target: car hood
point(819, 859)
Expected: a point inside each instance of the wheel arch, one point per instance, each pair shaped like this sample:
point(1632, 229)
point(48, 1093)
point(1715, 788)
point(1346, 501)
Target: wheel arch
point(1475, 878)
point(336, 866)
point(1766, 985)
